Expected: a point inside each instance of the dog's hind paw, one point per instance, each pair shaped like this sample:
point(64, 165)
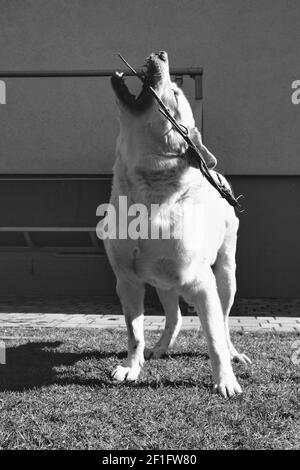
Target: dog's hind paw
point(125, 374)
point(154, 353)
point(241, 357)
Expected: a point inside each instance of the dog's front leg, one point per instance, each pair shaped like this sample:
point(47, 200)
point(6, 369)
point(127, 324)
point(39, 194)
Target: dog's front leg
point(204, 296)
point(132, 301)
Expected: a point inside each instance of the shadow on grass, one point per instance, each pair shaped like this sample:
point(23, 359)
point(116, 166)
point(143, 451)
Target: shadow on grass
point(186, 354)
point(34, 365)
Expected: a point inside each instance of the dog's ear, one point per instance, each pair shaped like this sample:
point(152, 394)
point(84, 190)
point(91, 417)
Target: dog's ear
point(209, 158)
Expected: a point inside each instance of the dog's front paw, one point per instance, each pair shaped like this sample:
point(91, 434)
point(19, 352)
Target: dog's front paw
point(125, 374)
point(154, 353)
point(227, 386)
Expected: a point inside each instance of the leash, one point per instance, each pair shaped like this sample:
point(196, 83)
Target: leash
point(183, 131)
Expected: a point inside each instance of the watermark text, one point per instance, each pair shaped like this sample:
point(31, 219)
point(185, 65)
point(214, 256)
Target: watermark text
point(2, 92)
point(2, 352)
point(295, 97)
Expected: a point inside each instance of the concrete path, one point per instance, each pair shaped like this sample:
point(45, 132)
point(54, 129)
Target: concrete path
point(60, 320)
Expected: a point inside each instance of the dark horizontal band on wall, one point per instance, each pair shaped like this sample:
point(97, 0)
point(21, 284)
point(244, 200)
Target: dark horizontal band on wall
point(191, 71)
point(267, 255)
point(108, 176)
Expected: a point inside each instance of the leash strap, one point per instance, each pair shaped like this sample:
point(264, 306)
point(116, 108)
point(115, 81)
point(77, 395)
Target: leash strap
point(183, 131)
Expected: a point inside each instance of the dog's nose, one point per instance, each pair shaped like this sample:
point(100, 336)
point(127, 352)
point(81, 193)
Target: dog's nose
point(162, 55)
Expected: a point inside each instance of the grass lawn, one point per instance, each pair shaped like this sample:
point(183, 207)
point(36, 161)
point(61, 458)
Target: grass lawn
point(56, 393)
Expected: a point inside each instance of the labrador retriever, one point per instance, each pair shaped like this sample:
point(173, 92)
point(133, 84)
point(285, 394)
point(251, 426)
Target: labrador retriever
point(155, 168)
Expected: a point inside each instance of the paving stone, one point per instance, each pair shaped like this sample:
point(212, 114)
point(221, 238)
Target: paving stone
point(101, 321)
point(250, 327)
point(287, 327)
point(249, 321)
point(271, 319)
point(286, 320)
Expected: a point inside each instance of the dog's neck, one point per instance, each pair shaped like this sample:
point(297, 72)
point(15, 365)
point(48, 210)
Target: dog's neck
point(152, 165)
point(164, 180)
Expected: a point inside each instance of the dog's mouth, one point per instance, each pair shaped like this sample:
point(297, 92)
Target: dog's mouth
point(156, 68)
point(154, 71)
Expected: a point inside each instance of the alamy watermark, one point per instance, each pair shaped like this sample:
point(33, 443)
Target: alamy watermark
point(156, 222)
point(295, 97)
point(2, 92)
point(296, 352)
point(2, 352)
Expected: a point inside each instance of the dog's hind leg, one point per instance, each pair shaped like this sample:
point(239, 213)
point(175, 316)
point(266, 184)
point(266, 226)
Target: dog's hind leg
point(132, 301)
point(224, 271)
point(203, 295)
point(170, 303)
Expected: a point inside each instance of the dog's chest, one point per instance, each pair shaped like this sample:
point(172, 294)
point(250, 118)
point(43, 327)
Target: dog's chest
point(175, 236)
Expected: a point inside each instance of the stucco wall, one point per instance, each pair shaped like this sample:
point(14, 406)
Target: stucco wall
point(249, 50)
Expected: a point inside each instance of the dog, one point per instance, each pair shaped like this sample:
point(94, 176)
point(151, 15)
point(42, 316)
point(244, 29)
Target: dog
point(154, 167)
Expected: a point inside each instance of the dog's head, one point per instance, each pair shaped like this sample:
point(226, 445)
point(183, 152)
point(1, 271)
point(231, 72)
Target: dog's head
point(147, 125)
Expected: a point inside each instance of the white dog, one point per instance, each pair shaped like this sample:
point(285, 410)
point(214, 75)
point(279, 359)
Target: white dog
point(154, 166)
